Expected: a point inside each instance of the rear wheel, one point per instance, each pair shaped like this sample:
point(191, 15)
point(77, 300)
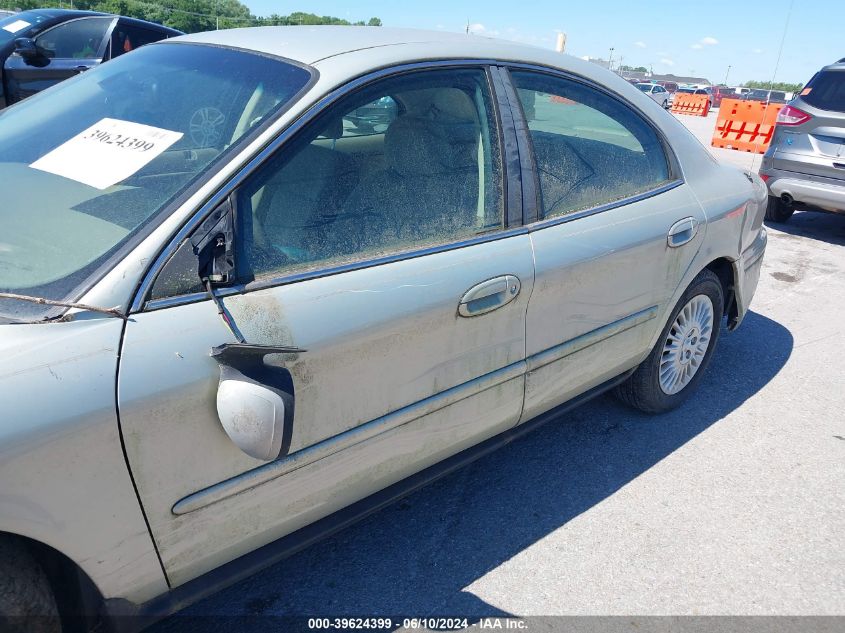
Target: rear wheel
point(673, 368)
point(26, 599)
point(777, 211)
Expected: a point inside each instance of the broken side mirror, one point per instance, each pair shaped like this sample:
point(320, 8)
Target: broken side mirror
point(214, 245)
point(255, 400)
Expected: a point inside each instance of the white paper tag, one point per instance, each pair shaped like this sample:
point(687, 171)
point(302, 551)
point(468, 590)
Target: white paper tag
point(107, 152)
point(17, 25)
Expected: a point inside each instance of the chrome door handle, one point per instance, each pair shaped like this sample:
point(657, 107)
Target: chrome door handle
point(682, 232)
point(489, 295)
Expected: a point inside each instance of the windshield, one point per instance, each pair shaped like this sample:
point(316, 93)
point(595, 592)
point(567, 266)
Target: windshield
point(88, 163)
point(18, 24)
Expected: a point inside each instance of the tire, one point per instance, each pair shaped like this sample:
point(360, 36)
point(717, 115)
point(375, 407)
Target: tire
point(27, 603)
point(645, 389)
point(777, 211)
point(665, 104)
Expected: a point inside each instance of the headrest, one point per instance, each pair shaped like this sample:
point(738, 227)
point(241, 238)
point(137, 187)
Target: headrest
point(417, 147)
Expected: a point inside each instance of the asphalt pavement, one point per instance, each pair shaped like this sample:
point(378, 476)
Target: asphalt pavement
point(732, 505)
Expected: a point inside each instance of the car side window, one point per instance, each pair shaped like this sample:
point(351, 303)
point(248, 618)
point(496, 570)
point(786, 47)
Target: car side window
point(128, 37)
point(78, 39)
point(590, 149)
point(427, 173)
point(371, 118)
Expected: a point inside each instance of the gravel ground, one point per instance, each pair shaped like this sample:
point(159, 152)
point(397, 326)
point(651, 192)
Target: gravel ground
point(732, 505)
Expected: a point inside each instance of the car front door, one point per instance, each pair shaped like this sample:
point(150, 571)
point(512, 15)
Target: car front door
point(379, 268)
point(65, 50)
point(616, 231)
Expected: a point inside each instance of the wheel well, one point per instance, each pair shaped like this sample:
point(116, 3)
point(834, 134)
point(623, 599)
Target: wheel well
point(77, 597)
point(725, 272)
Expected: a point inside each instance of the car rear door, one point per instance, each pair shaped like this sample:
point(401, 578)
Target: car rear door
point(616, 230)
point(389, 288)
point(69, 49)
point(816, 146)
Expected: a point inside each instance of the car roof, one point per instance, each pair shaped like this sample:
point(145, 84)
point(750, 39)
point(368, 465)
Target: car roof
point(62, 13)
point(69, 14)
point(312, 44)
point(147, 24)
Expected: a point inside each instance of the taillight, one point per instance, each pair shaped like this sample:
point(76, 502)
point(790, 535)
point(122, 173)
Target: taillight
point(765, 177)
point(792, 116)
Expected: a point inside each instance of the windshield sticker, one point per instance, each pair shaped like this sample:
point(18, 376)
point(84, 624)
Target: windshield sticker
point(17, 25)
point(107, 153)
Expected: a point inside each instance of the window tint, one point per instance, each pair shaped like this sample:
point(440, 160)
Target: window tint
point(79, 39)
point(127, 37)
point(590, 149)
point(827, 91)
point(430, 176)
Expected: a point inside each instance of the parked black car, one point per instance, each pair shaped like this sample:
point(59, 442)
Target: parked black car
point(771, 96)
point(42, 47)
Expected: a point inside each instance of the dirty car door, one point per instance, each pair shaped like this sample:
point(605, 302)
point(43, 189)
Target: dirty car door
point(617, 231)
point(395, 275)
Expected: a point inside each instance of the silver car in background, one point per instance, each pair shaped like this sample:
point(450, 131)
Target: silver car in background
point(233, 319)
point(657, 92)
point(804, 166)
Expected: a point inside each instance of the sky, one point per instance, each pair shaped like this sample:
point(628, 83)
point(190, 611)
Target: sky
point(681, 37)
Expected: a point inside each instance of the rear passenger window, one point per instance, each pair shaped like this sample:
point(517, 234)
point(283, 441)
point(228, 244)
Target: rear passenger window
point(826, 91)
point(406, 163)
point(590, 148)
point(127, 37)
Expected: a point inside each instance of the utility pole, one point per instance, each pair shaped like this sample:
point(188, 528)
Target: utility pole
point(727, 73)
point(610, 60)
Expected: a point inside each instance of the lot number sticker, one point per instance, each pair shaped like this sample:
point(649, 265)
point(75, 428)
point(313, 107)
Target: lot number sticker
point(107, 152)
point(17, 25)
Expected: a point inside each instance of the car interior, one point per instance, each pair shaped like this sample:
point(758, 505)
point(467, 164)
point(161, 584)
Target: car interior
point(427, 178)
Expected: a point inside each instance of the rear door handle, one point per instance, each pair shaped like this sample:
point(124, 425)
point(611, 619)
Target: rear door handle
point(489, 295)
point(682, 232)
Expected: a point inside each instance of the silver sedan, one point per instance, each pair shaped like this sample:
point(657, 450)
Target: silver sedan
point(658, 93)
point(234, 317)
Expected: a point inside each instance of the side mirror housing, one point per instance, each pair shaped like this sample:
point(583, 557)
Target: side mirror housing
point(255, 401)
point(253, 417)
point(28, 50)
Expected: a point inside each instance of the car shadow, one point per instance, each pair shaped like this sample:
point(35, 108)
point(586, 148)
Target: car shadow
point(416, 557)
point(818, 225)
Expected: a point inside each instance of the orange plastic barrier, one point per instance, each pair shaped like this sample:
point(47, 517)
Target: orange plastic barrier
point(746, 126)
point(564, 100)
point(696, 105)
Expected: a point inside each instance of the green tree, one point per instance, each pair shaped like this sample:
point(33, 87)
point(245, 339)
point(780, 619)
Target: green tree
point(778, 85)
point(190, 16)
